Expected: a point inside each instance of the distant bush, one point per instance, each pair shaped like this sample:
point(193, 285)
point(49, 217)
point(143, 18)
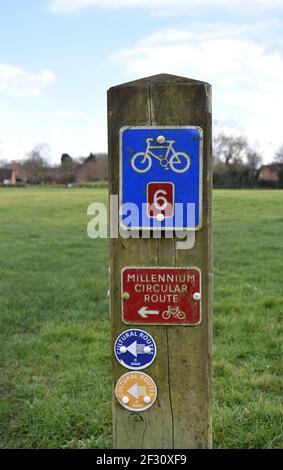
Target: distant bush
point(267, 184)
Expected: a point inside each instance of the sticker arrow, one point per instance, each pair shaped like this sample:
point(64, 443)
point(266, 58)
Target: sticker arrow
point(144, 312)
point(133, 349)
point(137, 391)
point(134, 391)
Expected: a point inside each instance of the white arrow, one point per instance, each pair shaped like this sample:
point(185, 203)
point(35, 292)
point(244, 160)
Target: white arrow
point(133, 348)
point(137, 391)
point(134, 391)
point(144, 312)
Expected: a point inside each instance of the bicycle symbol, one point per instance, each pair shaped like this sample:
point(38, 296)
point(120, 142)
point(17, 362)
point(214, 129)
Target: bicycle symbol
point(178, 162)
point(175, 312)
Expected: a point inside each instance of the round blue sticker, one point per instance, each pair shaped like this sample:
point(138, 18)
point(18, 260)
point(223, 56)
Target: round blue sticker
point(135, 349)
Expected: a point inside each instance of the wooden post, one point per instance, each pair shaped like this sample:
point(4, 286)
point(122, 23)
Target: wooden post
point(181, 415)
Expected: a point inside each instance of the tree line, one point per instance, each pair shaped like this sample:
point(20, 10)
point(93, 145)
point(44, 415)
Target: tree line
point(35, 168)
point(236, 164)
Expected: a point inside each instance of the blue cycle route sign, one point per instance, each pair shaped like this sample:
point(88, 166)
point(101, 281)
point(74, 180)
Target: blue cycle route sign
point(161, 177)
point(135, 349)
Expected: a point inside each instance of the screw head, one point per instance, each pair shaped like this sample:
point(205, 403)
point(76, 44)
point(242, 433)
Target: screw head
point(160, 217)
point(196, 296)
point(160, 139)
point(123, 349)
point(146, 349)
point(125, 400)
point(126, 295)
point(147, 399)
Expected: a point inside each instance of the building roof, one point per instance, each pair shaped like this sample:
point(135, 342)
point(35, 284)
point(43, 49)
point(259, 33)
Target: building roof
point(272, 166)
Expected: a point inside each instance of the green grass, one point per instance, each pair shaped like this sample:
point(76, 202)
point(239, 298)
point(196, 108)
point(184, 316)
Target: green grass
point(248, 306)
point(54, 321)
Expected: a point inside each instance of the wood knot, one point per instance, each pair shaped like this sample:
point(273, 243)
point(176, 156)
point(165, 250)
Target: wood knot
point(136, 418)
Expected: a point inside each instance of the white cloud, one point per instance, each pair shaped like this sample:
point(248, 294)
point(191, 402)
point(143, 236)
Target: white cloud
point(73, 5)
point(246, 77)
point(19, 82)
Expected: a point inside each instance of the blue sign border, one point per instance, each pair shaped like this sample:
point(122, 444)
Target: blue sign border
point(170, 228)
point(151, 357)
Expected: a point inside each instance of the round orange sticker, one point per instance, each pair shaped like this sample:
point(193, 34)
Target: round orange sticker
point(136, 391)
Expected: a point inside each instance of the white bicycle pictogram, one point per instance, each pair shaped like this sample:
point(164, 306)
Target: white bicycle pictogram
point(175, 312)
point(178, 161)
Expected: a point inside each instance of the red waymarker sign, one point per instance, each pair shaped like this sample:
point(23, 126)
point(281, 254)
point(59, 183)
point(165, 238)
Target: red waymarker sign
point(160, 199)
point(169, 296)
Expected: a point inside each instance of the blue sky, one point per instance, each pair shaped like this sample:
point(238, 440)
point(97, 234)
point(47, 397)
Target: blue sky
point(59, 57)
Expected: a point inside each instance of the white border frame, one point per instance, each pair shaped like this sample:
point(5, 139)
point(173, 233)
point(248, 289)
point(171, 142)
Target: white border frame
point(192, 325)
point(189, 229)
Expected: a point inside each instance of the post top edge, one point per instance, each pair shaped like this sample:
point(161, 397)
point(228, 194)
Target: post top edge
point(160, 78)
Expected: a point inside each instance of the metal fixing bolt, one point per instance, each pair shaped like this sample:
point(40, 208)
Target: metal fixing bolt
point(126, 296)
point(161, 139)
point(196, 296)
point(160, 217)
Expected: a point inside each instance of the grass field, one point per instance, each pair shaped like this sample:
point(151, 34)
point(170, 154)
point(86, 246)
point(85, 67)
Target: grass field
point(55, 338)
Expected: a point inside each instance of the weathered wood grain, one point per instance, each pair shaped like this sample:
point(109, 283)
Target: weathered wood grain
point(181, 416)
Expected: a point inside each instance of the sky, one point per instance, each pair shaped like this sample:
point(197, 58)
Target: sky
point(59, 57)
